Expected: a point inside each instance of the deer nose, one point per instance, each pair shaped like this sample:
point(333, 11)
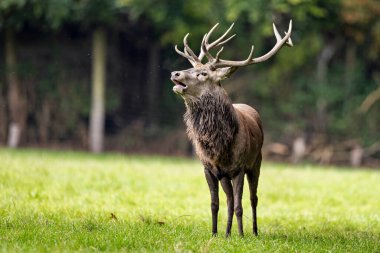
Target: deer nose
point(176, 74)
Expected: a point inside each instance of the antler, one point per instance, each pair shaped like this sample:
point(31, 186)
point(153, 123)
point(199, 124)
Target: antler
point(219, 63)
point(206, 46)
point(216, 62)
point(188, 53)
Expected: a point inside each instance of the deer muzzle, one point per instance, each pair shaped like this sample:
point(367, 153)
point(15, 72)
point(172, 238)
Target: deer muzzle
point(177, 78)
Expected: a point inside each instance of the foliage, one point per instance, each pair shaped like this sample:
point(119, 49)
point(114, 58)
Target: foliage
point(43, 14)
point(173, 19)
point(66, 201)
point(287, 90)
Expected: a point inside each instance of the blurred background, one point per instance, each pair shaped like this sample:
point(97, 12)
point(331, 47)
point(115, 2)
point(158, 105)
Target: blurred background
point(94, 74)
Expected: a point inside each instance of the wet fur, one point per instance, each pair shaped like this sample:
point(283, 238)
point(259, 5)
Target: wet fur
point(212, 126)
point(228, 139)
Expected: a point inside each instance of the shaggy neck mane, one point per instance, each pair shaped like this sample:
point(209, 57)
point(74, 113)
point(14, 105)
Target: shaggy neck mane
point(212, 123)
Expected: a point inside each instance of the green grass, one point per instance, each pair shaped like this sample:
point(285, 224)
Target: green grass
point(62, 201)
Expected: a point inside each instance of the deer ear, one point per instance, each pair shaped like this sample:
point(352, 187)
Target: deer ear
point(224, 73)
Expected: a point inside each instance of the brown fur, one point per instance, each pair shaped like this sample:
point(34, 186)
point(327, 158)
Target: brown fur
point(227, 138)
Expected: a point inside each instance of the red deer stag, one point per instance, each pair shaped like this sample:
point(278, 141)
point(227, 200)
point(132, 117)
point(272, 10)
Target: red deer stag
point(227, 137)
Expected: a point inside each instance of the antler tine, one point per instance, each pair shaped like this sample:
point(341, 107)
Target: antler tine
point(204, 44)
point(278, 37)
point(188, 49)
point(218, 53)
point(180, 52)
point(289, 42)
point(225, 41)
point(210, 32)
point(186, 55)
point(224, 63)
point(205, 47)
point(216, 42)
point(279, 43)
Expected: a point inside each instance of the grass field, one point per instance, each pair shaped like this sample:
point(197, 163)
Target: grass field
point(62, 201)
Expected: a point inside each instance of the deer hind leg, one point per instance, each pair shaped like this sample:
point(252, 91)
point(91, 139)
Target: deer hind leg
point(227, 188)
point(212, 182)
point(253, 180)
point(238, 184)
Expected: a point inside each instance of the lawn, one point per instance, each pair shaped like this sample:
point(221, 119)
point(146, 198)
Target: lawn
point(68, 201)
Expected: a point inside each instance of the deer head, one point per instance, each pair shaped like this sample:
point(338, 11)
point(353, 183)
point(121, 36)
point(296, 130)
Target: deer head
point(201, 78)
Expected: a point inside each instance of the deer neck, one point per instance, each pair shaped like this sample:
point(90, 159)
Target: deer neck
point(212, 124)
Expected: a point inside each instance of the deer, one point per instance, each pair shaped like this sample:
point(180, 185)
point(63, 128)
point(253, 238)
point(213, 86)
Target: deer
point(227, 137)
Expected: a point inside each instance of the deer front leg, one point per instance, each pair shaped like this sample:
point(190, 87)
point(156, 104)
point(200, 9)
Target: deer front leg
point(238, 184)
point(227, 187)
point(253, 180)
point(213, 185)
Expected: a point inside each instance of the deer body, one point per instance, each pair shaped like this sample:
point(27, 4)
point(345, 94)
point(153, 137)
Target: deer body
point(227, 137)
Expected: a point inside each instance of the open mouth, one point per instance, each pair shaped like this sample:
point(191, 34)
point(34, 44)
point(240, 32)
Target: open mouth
point(179, 83)
point(179, 87)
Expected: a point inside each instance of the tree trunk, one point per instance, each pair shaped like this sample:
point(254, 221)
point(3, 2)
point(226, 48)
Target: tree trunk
point(152, 85)
point(98, 90)
point(350, 63)
point(299, 149)
point(44, 121)
point(324, 58)
point(3, 117)
point(356, 156)
point(16, 114)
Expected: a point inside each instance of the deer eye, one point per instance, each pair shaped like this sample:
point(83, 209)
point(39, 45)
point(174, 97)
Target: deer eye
point(204, 74)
